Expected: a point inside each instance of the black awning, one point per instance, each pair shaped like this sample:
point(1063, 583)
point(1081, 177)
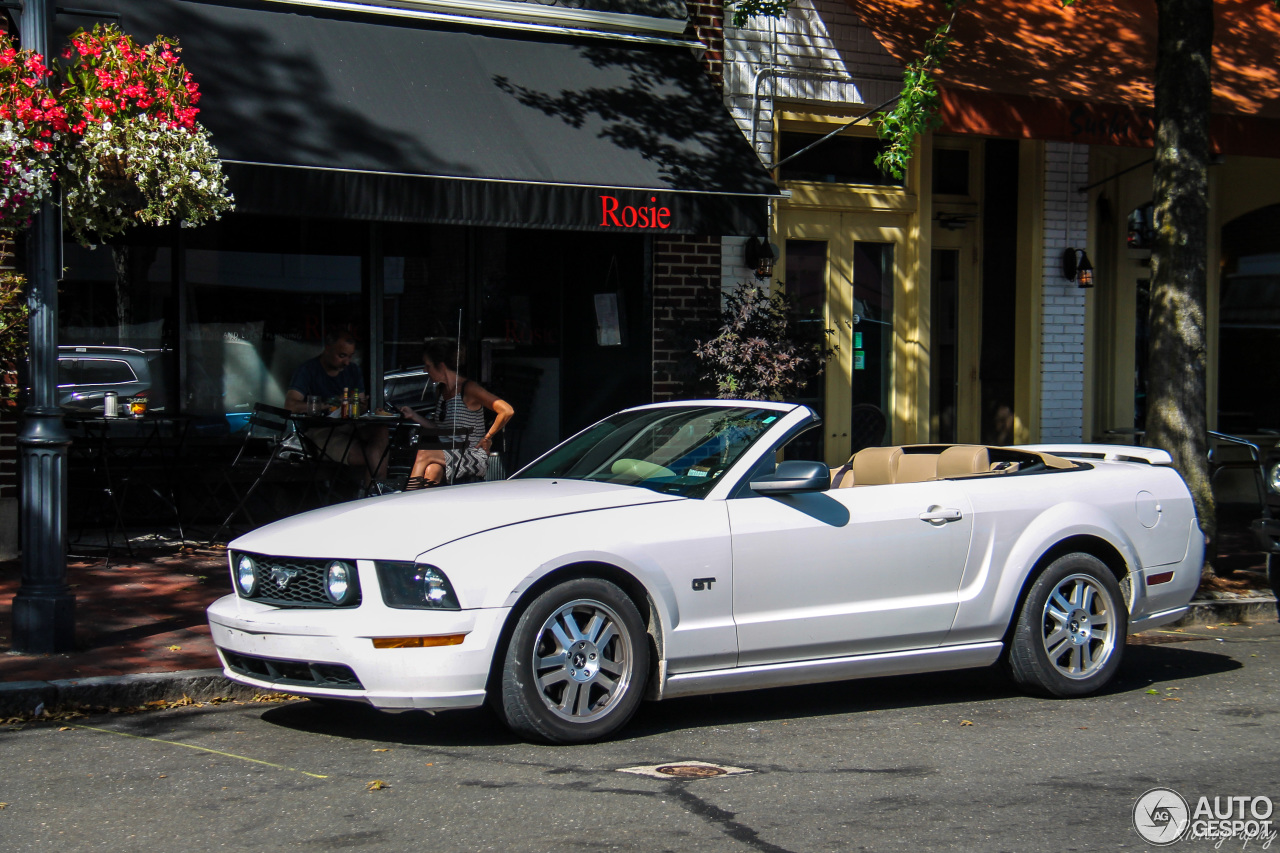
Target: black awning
point(356, 117)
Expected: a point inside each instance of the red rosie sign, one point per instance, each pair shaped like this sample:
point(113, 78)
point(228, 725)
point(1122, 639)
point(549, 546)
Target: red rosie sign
point(613, 214)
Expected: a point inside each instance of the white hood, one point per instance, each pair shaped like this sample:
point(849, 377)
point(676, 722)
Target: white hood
point(402, 526)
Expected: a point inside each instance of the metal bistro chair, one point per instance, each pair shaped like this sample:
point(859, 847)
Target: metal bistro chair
point(402, 449)
point(267, 446)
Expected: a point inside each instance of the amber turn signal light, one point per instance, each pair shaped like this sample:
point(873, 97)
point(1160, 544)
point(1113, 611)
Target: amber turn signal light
point(417, 642)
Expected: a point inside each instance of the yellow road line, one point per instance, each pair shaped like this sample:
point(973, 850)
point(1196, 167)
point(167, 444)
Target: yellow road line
point(201, 748)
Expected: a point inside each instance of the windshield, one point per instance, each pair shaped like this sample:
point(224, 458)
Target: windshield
point(677, 450)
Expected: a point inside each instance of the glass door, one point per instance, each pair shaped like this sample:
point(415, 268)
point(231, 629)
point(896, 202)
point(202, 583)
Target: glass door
point(852, 266)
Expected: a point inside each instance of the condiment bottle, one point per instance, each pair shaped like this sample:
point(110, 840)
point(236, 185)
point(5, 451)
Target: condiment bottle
point(346, 403)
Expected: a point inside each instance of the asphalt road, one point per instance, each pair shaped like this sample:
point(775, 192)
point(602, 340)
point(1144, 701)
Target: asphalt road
point(957, 761)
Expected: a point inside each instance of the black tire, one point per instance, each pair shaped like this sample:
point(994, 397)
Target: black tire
point(1273, 573)
point(1070, 634)
point(587, 690)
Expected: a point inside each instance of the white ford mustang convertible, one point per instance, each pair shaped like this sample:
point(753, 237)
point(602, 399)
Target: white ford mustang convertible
point(666, 551)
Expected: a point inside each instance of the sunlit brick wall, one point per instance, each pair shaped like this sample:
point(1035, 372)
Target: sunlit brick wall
point(682, 266)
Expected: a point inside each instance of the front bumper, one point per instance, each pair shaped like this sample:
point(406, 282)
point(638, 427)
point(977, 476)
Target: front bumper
point(330, 653)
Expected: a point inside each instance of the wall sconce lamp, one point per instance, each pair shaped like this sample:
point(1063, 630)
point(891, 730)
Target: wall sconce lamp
point(760, 255)
point(1076, 267)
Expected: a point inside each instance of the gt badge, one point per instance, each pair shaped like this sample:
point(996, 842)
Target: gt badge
point(700, 584)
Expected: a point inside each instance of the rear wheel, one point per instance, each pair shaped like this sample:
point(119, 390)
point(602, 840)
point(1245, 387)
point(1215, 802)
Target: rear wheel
point(1071, 631)
point(576, 665)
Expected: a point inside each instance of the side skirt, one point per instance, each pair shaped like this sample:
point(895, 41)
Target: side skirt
point(831, 669)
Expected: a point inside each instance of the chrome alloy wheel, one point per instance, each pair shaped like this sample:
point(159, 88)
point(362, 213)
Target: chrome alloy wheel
point(1079, 626)
point(582, 660)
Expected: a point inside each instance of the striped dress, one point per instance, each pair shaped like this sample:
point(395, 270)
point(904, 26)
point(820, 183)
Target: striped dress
point(464, 459)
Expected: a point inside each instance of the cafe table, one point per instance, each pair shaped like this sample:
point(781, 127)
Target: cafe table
point(127, 460)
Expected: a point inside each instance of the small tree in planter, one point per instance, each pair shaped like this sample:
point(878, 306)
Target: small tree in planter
point(756, 352)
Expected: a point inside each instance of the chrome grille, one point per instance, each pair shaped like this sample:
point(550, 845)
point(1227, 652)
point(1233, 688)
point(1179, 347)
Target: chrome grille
point(293, 582)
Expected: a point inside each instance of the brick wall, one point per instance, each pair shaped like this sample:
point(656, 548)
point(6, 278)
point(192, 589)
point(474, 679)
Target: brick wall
point(683, 266)
point(706, 24)
point(1062, 350)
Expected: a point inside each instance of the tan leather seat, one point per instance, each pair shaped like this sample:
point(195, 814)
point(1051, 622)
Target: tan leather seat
point(963, 460)
point(842, 477)
point(916, 468)
point(876, 466)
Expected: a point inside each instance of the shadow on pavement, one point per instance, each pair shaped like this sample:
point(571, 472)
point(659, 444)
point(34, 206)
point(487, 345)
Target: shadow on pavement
point(1144, 665)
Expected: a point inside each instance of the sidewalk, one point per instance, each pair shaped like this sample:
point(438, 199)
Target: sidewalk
point(141, 634)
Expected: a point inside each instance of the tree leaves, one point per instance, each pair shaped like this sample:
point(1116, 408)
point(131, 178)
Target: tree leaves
point(916, 111)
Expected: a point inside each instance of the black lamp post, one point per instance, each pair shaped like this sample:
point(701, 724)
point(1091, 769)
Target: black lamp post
point(44, 607)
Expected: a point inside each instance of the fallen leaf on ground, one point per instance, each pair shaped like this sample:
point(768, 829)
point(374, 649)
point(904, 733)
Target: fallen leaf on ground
point(3, 806)
point(376, 785)
point(382, 750)
point(64, 728)
point(966, 722)
point(1173, 698)
point(1153, 692)
point(175, 648)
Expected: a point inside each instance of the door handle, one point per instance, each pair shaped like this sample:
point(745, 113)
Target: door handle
point(937, 515)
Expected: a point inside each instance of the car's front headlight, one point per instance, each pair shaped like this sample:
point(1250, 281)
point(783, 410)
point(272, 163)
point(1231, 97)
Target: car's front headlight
point(246, 575)
point(1273, 478)
point(338, 583)
point(415, 586)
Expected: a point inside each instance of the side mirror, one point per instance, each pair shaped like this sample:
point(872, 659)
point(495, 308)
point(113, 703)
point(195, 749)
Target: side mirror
point(794, 477)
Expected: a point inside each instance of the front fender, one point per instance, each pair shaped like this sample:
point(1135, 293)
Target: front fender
point(663, 546)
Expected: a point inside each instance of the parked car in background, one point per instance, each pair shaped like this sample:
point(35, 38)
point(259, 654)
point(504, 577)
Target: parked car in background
point(664, 552)
point(87, 373)
point(409, 386)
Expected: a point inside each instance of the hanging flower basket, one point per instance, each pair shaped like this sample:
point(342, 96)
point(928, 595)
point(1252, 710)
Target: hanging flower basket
point(140, 155)
point(32, 124)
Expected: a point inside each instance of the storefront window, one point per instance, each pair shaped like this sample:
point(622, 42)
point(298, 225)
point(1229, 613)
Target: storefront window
point(260, 294)
point(120, 297)
point(806, 283)
point(1249, 328)
point(872, 326)
point(839, 160)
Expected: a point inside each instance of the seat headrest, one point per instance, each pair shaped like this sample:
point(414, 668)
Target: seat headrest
point(962, 460)
point(876, 466)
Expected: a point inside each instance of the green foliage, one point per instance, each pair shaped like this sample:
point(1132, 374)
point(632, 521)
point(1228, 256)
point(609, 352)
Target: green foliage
point(13, 332)
point(757, 353)
point(745, 10)
point(916, 111)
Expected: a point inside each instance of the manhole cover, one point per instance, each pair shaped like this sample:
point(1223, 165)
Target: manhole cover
point(691, 771)
point(686, 770)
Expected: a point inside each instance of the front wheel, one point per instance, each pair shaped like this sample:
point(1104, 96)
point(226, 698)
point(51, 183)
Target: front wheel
point(576, 665)
point(1071, 631)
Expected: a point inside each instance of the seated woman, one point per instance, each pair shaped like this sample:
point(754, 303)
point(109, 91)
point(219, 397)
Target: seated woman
point(461, 413)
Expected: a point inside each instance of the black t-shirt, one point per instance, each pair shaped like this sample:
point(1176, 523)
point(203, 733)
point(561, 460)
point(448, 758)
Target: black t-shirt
point(311, 379)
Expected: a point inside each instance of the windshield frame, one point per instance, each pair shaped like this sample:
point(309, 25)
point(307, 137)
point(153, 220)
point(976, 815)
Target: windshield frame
point(630, 447)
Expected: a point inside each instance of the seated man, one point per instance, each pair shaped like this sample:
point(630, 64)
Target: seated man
point(327, 376)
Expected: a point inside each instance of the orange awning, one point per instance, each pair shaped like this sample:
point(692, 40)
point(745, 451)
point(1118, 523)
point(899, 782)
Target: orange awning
point(1030, 68)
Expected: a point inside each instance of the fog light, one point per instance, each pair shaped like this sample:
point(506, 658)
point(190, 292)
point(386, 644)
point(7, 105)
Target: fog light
point(337, 582)
point(246, 575)
point(1273, 478)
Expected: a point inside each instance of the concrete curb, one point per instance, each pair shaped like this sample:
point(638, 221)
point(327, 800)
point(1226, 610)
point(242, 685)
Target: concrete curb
point(19, 698)
point(1215, 611)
